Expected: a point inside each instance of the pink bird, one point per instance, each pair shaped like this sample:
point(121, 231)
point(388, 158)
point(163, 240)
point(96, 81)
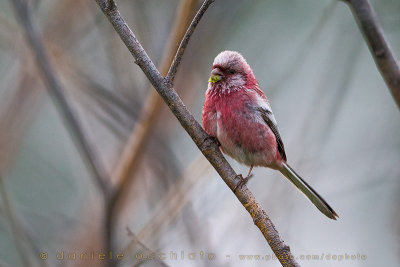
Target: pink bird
point(237, 113)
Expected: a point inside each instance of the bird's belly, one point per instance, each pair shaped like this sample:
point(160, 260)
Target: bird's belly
point(247, 141)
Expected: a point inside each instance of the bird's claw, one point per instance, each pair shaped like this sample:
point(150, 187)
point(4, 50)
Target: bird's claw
point(242, 181)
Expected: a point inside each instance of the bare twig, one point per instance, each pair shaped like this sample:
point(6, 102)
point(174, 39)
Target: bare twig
point(178, 57)
point(374, 36)
point(207, 145)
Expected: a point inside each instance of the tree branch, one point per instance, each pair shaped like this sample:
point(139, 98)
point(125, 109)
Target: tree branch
point(374, 36)
point(128, 162)
point(207, 145)
point(179, 53)
point(127, 165)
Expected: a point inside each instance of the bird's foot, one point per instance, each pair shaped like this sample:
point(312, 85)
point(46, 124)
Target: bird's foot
point(242, 181)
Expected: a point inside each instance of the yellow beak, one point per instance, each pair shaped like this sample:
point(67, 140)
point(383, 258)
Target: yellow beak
point(214, 78)
point(216, 75)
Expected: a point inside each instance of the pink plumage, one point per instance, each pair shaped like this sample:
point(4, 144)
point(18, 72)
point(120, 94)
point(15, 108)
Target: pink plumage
point(237, 113)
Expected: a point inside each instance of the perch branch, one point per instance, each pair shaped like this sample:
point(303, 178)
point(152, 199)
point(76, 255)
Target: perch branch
point(207, 145)
point(385, 60)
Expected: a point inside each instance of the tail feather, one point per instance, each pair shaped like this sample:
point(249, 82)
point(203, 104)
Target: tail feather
point(307, 190)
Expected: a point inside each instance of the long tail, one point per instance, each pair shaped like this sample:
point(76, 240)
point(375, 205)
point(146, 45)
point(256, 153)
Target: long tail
point(307, 190)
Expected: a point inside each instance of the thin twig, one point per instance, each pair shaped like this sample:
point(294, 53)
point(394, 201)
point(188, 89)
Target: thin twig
point(179, 54)
point(207, 145)
point(381, 52)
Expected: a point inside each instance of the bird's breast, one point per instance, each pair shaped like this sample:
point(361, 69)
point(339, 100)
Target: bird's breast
point(241, 133)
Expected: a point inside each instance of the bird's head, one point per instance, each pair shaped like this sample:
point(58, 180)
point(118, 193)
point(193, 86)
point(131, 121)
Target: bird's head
point(230, 72)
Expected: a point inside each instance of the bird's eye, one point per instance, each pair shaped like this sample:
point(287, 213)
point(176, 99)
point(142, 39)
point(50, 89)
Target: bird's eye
point(232, 71)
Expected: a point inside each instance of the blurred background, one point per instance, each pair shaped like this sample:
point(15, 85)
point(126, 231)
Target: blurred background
point(340, 126)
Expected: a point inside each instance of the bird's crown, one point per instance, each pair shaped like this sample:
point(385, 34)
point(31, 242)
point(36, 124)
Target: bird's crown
point(229, 59)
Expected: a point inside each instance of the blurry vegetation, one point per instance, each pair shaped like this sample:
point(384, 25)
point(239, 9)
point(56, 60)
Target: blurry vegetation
point(337, 118)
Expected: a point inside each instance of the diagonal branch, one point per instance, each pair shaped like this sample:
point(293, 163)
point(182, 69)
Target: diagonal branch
point(381, 52)
point(136, 144)
point(207, 145)
point(179, 54)
point(127, 165)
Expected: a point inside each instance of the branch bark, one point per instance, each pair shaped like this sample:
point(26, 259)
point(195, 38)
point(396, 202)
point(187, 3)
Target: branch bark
point(372, 31)
point(207, 145)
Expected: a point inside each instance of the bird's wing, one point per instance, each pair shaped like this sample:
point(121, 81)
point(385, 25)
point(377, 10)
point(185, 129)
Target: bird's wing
point(269, 119)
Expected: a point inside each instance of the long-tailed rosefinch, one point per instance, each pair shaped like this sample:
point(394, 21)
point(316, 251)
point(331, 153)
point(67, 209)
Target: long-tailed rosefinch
point(237, 113)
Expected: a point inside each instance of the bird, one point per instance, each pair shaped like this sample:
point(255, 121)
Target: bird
point(238, 115)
